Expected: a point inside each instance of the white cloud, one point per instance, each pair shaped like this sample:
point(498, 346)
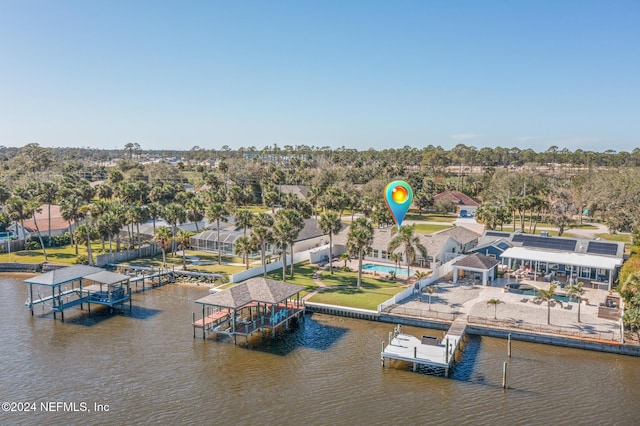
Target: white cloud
point(464, 136)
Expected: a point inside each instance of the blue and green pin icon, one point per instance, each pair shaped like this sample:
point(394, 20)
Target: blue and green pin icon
point(398, 195)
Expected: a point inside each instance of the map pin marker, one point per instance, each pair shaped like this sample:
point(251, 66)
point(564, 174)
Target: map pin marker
point(398, 195)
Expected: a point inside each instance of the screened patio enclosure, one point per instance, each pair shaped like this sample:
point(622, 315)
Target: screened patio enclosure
point(208, 241)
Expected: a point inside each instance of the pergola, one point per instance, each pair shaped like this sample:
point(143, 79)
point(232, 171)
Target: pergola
point(108, 288)
point(254, 305)
point(478, 263)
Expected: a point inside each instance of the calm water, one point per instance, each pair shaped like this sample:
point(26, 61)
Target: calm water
point(148, 369)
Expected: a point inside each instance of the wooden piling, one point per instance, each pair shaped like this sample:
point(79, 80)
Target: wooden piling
point(509, 346)
point(504, 375)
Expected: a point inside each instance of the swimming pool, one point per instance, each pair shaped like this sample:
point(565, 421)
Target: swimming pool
point(386, 269)
point(528, 290)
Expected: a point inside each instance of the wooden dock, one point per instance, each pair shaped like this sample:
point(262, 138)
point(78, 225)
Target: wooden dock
point(436, 355)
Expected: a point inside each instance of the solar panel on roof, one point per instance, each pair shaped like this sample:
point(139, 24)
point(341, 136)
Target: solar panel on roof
point(598, 247)
point(503, 245)
point(563, 244)
point(497, 234)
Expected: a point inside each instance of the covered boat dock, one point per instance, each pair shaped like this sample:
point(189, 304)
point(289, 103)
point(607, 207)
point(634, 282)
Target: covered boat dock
point(258, 304)
point(78, 285)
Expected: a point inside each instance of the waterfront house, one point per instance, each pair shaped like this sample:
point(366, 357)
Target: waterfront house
point(593, 262)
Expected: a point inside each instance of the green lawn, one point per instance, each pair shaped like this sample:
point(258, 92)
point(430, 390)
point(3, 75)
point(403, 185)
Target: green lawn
point(430, 217)
point(426, 228)
point(372, 293)
point(621, 238)
point(63, 255)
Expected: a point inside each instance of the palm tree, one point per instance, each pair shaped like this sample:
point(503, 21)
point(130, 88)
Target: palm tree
point(86, 214)
point(397, 258)
point(575, 291)
point(217, 212)
point(163, 238)
point(495, 303)
point(329, 223)
point(48, 193)
point(282, 231)
point(195, 211)
point(296, 224)
point(182, 238)
point(174, 213)
point(359, 240)
point(548, 296)
point(33, 206)
point(243, 218)
point(430, 289)
point(243, 247)
point(260, 236)
point(345, 257)
point(405, 238)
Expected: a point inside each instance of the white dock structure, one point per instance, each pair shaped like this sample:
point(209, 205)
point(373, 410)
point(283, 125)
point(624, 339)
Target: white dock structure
point(438, 356)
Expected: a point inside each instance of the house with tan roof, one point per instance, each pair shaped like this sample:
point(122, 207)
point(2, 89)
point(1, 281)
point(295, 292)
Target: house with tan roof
point(440, 247)
point(465, 205)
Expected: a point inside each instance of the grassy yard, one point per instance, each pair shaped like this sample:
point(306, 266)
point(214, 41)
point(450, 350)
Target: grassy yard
point(621, 238)
point(339, 292)
point(62, 255)
point(430, 217)
point(372, 293)
point(426, 228)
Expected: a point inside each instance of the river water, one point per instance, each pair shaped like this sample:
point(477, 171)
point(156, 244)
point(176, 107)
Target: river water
point(145, 367)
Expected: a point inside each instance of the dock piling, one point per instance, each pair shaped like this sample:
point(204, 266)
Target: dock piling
point(504, 375)
point(509, 346)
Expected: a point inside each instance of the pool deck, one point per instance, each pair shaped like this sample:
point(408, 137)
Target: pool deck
point(451, 301)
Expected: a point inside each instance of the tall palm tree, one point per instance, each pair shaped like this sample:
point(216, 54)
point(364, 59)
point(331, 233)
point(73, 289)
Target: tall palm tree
point(575, 291)
point(48, 193)
point(243, 247)
point(174, 214)
point(195, 211)
point(163, 237)
point(495, 303)
point(260, 236)
point(359, 240)
point(409, 243)
point(215, 213)
point(33, 208)
point(243, 218)
point(282, 231)
point(182, 238)
point(296, 223)
point(547, 296)
point(70, 210)
point(330, 224)
point(18, 211)
point(86, 214)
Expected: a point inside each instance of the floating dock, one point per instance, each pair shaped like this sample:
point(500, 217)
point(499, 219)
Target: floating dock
point(428, 351)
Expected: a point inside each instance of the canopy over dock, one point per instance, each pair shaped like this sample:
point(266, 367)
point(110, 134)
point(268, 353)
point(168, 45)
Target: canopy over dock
point(254, 305)
point(107, 288)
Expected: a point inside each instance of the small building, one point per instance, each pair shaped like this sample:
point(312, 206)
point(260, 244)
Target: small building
point(65, 288)
point(476, 267)
point(256, 305)
point(464, 205)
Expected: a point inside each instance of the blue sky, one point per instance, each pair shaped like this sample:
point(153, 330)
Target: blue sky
point(359, 74)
